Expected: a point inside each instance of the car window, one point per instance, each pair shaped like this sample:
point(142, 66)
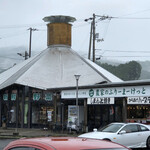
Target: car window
point(111, 128)
point(143, 128)
point(24, 148)
point(130, 128)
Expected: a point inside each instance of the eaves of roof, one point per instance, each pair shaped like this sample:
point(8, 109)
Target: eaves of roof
point(106, 85)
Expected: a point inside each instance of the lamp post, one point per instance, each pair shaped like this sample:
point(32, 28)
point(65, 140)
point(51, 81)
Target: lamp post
point(77, 108)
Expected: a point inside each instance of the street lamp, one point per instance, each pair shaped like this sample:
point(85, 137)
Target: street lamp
point(25, 55)
point(77, 108)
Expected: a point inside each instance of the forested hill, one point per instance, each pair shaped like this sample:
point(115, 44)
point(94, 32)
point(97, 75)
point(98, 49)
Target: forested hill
point(145, 73)
point(129, 71)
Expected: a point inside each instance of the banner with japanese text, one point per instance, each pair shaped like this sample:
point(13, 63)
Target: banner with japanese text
point(108, 92)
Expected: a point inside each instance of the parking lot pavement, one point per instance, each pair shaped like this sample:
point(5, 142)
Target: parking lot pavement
point(4, 142)
point(9, 134)
point(24, 132)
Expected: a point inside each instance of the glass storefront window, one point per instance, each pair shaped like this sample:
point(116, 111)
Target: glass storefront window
point(12, 114)
point(41, 113)
point(118, 114)
point(35, 114)
point(26, 112)
point(138, 113)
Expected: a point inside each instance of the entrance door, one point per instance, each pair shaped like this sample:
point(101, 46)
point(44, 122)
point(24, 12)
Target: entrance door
point(100, 115)
point(94, 117)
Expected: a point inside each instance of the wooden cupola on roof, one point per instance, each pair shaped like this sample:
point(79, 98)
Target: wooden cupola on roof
point(59, 30)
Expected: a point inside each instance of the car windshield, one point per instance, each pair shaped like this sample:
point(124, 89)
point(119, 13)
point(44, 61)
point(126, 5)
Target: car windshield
point(111, 128)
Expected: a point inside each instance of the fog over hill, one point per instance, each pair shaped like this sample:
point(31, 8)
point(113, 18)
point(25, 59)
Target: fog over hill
point(145, 72)
point(9, 58)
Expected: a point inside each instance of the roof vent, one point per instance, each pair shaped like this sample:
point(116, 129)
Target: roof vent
point(59, 30)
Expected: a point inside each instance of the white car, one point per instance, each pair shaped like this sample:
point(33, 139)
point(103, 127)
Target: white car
point(131, 135)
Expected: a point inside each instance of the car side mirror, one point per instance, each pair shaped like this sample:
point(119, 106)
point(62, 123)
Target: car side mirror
point(94, 130)
point(122, 132)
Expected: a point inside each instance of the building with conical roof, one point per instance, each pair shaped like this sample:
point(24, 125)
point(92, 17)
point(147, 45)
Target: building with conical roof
point(31, 91)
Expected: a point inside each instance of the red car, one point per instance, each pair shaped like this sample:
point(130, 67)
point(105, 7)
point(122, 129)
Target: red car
point(62, 143)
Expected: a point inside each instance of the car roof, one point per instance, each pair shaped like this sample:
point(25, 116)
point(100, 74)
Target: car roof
point(118, 123)
point(132, 123)
point(124, 123)
point(66, 143)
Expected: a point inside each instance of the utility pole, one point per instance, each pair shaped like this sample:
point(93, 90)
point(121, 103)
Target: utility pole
point(31, 29)
point(26, 55)
point(93, 37)
point(93, 34)
point(89, 55)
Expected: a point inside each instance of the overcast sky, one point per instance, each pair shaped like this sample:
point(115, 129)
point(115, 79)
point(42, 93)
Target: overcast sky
point(125, 36)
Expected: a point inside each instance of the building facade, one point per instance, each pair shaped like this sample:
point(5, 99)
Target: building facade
point(41, 91)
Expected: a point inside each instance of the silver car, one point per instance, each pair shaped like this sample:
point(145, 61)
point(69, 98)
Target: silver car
point(131, 135)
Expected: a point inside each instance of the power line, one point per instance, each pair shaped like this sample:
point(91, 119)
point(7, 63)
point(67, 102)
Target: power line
point(123, 51)
point(20, 26)
point(106, 29)
point(10, 57)
point(15, 34)
point(82, 25)
point(124, 56)
point(132, 18)
point(28, 25)
point(137, 12)
point(101, 18)
point(102, 55)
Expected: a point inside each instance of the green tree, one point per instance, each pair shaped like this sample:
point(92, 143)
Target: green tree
point(127, 71)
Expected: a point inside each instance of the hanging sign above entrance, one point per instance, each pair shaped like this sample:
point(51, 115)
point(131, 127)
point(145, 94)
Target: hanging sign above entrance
point(36, 96)
point(13, 97)
point(5, 97)
point(48, 96)
point(100, 101)
point(108, 92)
point(138, 100)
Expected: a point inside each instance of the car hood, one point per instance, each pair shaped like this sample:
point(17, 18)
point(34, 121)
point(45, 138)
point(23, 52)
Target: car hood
point(97, 135)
